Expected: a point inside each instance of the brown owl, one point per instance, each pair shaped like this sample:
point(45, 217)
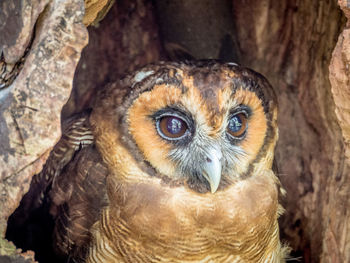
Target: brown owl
point(172, 164)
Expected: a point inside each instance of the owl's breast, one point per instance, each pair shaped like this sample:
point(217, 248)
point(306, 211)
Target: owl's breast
point(174, 224)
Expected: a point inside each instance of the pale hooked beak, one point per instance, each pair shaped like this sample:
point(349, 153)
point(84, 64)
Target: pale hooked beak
point(212, 168)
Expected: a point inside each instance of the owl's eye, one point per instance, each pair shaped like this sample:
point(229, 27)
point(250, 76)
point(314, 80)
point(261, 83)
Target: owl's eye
point(171, 127)
point(237, 125)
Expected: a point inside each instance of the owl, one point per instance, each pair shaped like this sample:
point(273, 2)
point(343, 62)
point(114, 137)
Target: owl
point(173, 163)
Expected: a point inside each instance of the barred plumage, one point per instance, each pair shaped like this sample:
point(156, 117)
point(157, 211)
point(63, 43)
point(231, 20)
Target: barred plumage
point(173, 164)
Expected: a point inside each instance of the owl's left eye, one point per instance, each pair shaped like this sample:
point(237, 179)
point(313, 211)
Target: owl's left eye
point(237, 125)
point(171, 127)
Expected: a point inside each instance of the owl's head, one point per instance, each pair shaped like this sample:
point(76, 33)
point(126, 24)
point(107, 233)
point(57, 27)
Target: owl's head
point(204, 124)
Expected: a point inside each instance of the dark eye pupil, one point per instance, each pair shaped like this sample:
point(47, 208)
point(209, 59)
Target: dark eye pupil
point(171, 127)
point(235, 124)
point(174, 125)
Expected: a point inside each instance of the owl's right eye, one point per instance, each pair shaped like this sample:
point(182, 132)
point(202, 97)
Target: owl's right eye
point(171, 127)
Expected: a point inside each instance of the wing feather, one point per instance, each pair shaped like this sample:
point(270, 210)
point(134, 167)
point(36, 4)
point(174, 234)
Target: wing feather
point(71, 187)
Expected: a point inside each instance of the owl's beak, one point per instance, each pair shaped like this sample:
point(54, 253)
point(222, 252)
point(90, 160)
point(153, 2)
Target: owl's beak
point(212, 168)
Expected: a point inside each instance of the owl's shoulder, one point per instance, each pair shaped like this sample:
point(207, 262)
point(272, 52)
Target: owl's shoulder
point(78, 196)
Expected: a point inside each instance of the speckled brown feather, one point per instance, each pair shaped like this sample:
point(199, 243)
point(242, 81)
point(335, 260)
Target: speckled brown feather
point(153, 223)
point(123, 199)
point(73, 181)
point(154, 218)
point(78, 195)
point(76, 134)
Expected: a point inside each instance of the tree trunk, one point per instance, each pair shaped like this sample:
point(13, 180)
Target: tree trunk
point(291, 43)
point(302, 47)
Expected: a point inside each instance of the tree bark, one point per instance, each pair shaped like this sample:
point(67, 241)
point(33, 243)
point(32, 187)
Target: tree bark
point(291, 43)
point(40, 47)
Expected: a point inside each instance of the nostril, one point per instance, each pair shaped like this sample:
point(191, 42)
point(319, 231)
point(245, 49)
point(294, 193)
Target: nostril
point(209, 160)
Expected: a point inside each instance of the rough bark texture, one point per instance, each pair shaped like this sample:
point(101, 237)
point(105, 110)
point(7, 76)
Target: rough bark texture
point(39, 58)
point(95, 10)
point(340, 78)
point(30, 104)
point(302, 47)
point(336, 243)
point(127, 38)
point(291, 43)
